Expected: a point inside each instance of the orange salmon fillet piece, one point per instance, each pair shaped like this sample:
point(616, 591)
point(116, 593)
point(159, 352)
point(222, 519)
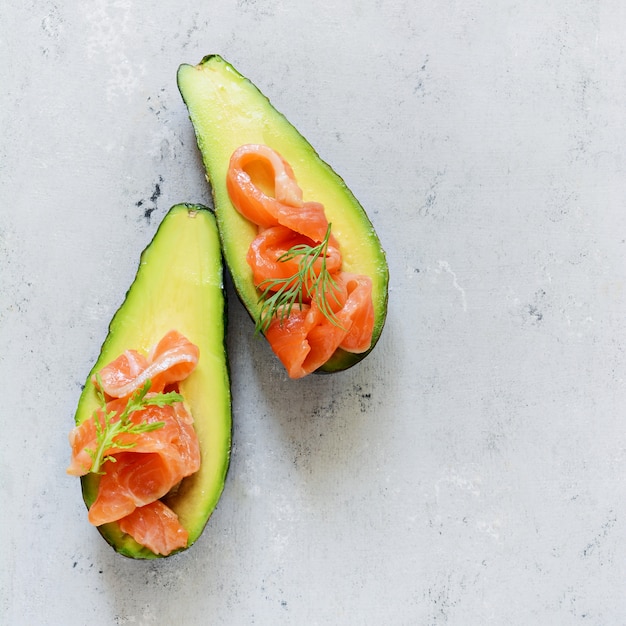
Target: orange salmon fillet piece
point(156, 527)
point(307, 338)
point(142, 467)
point(158, 460)
point(83, 438)
point(271, 210)
point(170, 361)
point(270, 244)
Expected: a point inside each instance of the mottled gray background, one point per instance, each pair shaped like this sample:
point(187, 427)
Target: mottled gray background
point(472, 470)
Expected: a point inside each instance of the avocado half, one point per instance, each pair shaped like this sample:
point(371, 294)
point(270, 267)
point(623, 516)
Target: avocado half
point(227, 111)
point(179, 285)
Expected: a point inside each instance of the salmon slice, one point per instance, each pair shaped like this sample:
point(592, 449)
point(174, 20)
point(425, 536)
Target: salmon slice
point(248, 197)
point(272, 243)
point(308, 220)
point(141, 467)
point(281, 203)
point(156, 527)
point(304, 341)
point(310, 335)
point(158, 460)
point(171, 360)
point(83, 438)
point(307, 338)
point(123, 370)
point(132, 480)
point(288, 340)
point(357, 312)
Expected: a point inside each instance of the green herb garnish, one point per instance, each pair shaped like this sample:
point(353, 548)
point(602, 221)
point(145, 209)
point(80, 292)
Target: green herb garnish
point(106, 434)
point(280, 294)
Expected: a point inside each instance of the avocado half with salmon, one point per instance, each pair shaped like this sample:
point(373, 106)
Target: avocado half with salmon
point(228, 111)
point(179, 285)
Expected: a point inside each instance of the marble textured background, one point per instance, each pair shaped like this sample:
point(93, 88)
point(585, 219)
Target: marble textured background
point(472, 470)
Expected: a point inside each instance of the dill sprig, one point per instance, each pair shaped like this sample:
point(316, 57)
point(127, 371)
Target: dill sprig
point(279, 295)
point(106, 433)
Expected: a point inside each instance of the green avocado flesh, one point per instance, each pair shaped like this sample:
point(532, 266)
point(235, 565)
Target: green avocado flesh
point(179, 285)
point(227, 111)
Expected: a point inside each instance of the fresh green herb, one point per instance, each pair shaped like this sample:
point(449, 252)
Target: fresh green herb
point(279, 295)
point(106, 433)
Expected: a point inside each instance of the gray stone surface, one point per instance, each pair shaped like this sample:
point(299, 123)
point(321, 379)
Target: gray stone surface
point(472, 470)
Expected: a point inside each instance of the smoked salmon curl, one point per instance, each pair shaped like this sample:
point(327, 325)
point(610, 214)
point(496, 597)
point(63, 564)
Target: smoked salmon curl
point(142, 467)
point(308, 337)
